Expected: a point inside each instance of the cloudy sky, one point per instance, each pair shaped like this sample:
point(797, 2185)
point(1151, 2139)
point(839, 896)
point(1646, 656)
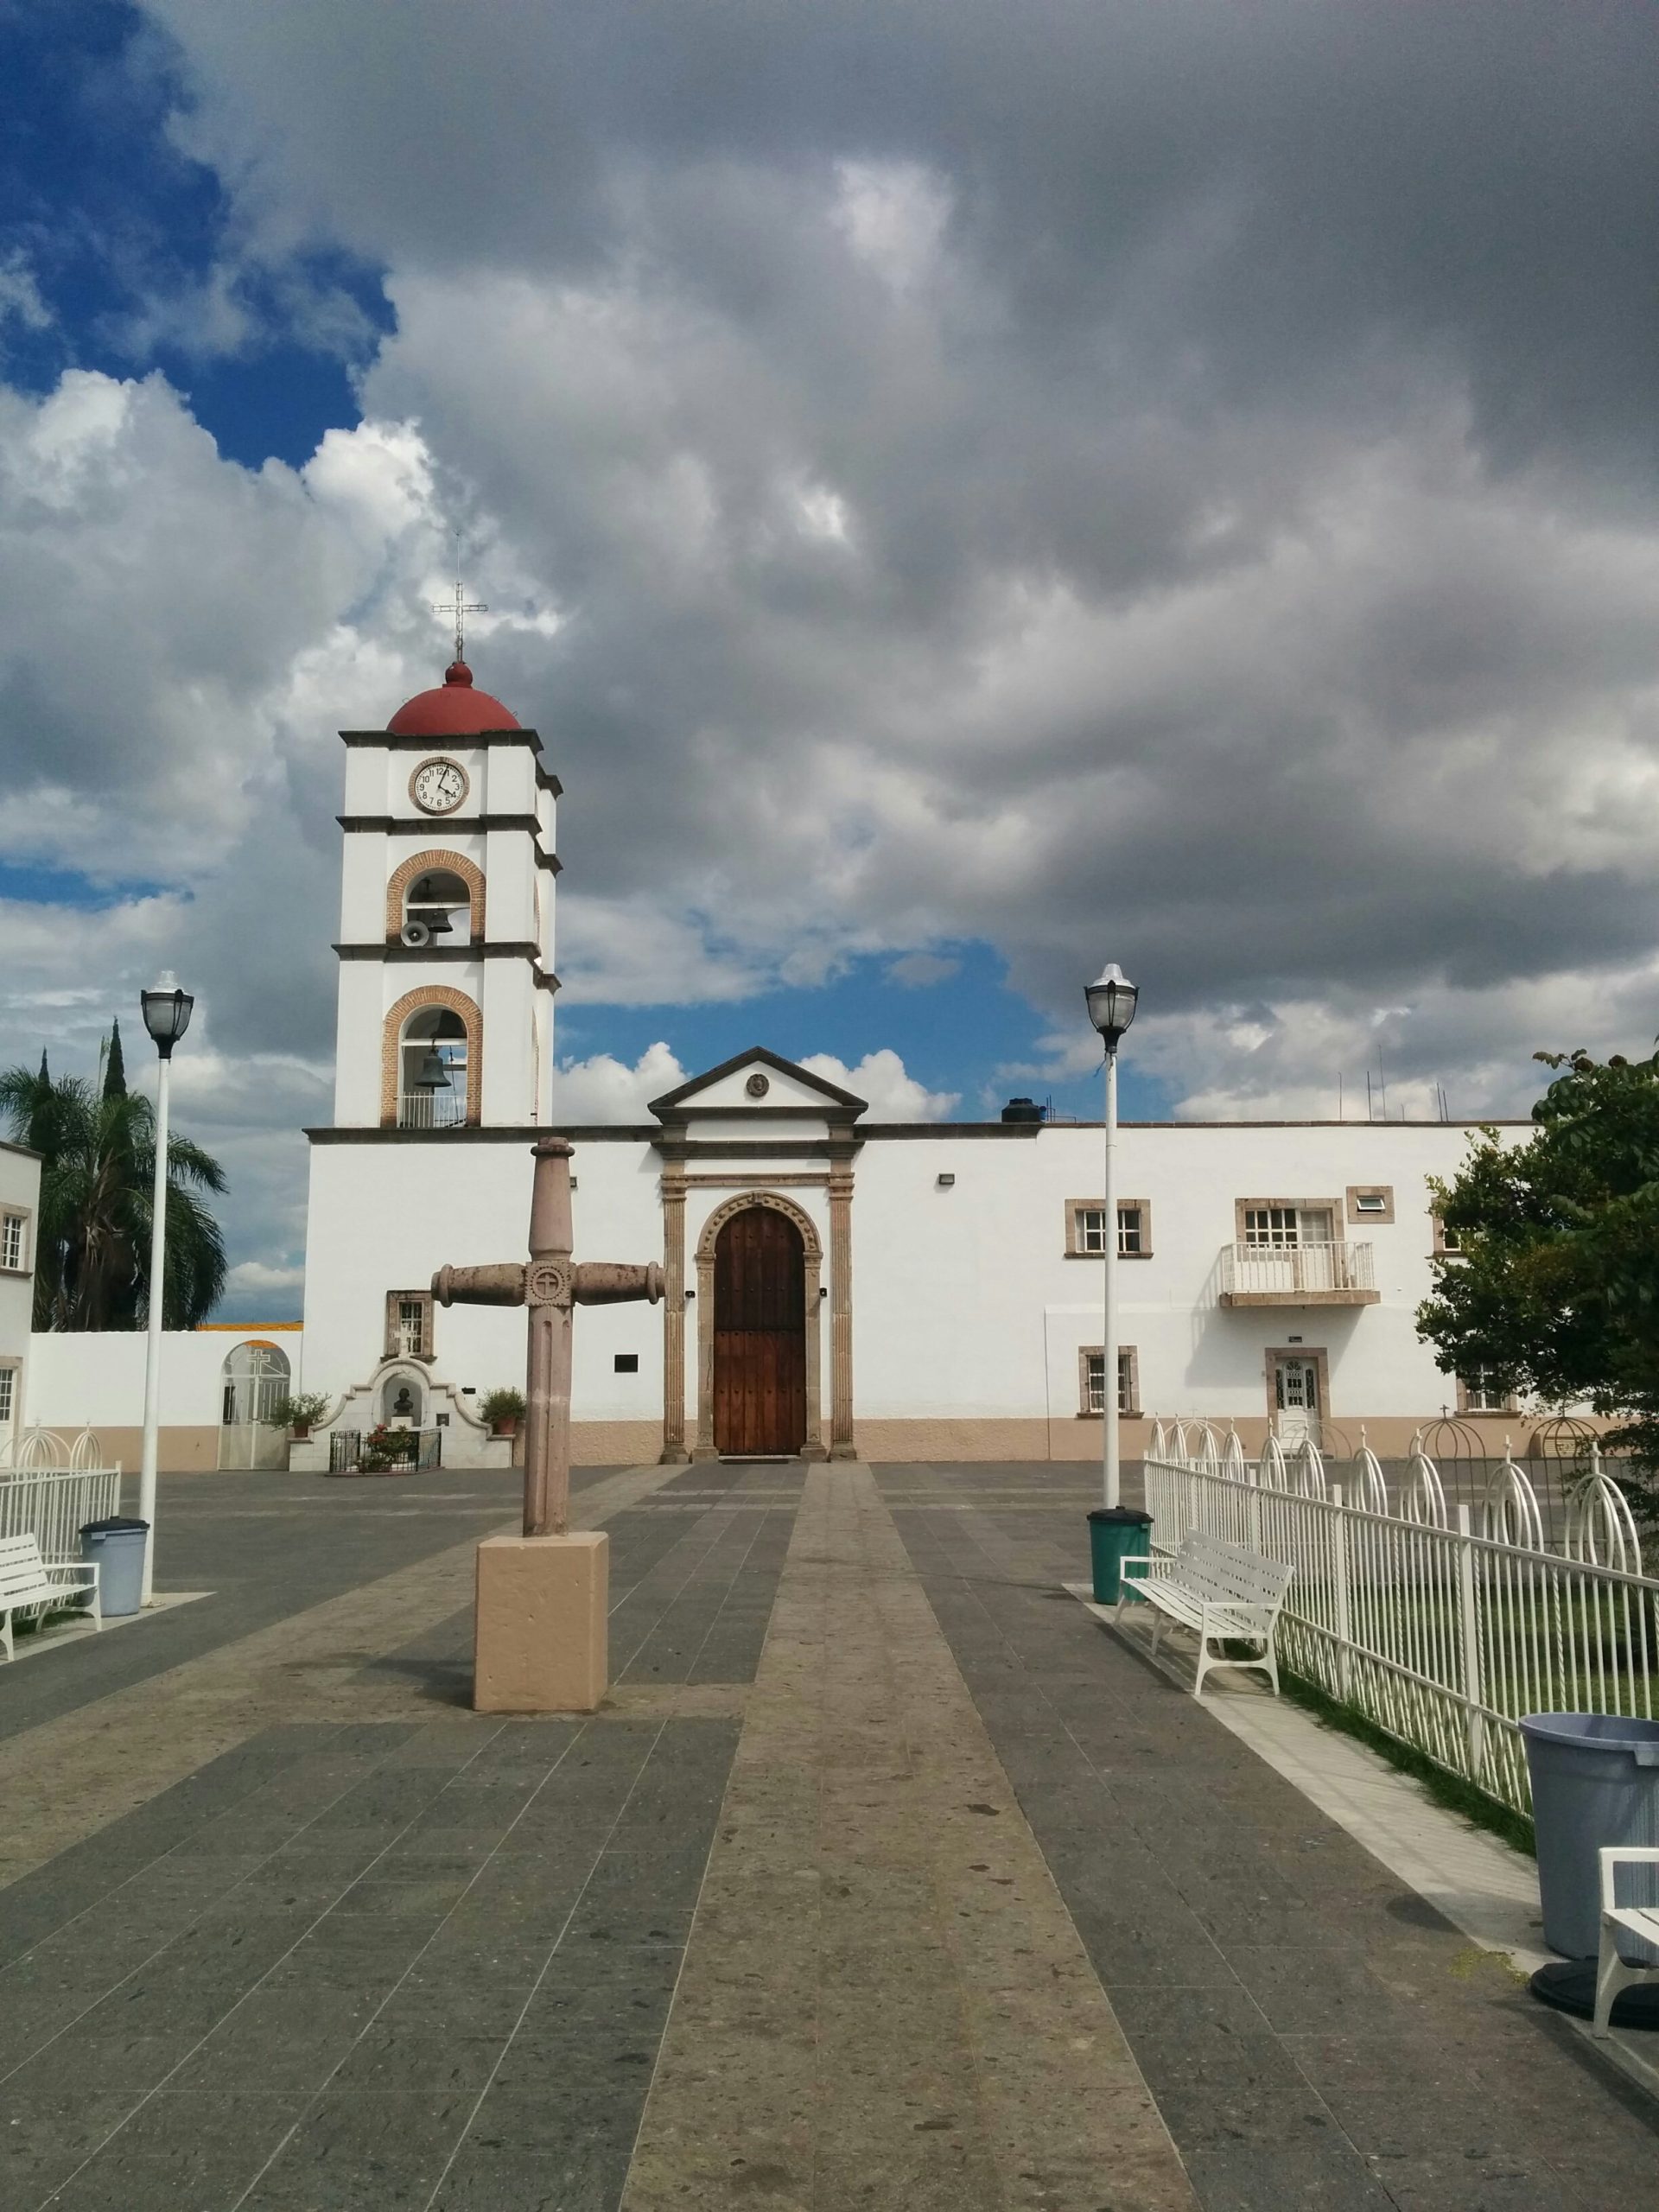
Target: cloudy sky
point(964, 490)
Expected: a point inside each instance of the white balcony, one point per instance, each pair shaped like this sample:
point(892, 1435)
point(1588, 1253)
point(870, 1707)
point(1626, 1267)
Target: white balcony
point(1297, 1274)
point(432, 1109)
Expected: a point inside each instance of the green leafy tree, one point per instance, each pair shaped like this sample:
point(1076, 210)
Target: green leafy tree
point(1555, 1288)
point(92, 1252)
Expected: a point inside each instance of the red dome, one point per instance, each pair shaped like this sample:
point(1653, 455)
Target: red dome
point(457, 710)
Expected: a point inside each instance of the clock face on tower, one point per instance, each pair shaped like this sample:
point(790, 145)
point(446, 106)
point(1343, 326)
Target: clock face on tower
point(439, 786)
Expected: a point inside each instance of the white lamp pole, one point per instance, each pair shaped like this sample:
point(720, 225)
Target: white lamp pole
point(1111, 1001)
point(167, 1016)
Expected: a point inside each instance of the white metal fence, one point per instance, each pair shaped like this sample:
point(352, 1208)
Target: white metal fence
point(1441, 1624)
point(50, 1489)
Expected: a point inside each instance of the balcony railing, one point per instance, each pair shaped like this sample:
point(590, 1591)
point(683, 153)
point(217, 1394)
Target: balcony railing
point(431, 1110)
point(1297, 1274)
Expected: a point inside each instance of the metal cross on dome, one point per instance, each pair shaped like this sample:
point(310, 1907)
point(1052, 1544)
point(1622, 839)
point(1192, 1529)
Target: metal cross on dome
point(460, 606)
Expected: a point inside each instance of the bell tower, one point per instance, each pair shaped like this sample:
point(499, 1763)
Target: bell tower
point(446, 917)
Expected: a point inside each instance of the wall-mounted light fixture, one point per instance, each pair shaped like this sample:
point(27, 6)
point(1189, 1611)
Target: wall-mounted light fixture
point(946, 1182)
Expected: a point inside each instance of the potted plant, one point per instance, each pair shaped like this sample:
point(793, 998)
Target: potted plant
point(300, 1413)
point(503, 1410)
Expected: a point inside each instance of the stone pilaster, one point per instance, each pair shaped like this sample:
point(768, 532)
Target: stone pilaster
point(673, 1451)
point(841, 1309)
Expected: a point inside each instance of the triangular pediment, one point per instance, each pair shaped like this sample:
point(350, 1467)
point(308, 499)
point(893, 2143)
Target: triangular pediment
point(757, 1082)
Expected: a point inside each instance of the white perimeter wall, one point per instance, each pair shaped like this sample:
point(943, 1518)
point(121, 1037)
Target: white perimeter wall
point(97, 1379)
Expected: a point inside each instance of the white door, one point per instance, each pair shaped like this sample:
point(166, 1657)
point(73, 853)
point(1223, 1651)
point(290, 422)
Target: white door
point(1296, 1400)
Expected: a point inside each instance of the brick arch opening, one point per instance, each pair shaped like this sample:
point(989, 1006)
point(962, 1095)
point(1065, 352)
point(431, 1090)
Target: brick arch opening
point(415, 1001)
point(417, 864)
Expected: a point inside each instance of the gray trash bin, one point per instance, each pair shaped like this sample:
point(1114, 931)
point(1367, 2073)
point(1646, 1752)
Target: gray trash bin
point(116, 1548)
point(1595, 1781)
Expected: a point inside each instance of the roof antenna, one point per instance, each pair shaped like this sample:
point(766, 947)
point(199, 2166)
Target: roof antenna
point(460, 606)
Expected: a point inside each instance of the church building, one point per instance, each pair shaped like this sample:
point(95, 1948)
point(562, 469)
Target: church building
point(837, 1287)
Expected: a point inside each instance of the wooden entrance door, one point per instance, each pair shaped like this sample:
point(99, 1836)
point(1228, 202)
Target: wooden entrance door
point(759, 1334)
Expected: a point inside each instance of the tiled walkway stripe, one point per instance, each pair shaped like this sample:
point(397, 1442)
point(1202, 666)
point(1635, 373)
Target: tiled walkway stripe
point(64, 1781)
point(884, 2000)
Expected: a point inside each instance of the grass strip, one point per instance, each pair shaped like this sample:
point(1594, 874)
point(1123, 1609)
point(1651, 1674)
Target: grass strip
point(1446, 1788)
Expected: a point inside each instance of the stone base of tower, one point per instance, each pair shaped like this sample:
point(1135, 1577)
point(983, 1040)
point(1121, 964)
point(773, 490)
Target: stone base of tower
point(539, 1641)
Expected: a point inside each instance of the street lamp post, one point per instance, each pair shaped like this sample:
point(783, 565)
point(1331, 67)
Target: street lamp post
point(167, 1016)
point(1111, 1001)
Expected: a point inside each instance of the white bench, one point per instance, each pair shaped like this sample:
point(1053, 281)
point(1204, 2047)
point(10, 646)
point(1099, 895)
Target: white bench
point(28, 1580)
point(1614, 1974)
point(1224, 1593)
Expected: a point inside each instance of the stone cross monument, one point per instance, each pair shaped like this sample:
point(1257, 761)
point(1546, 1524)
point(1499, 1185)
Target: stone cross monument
point(540, 1645)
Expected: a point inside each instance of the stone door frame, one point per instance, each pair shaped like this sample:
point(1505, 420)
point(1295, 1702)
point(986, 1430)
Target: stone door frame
point(812, 1272)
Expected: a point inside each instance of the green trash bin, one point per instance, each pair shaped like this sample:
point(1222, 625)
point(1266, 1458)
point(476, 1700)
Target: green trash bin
point(1116, 1533)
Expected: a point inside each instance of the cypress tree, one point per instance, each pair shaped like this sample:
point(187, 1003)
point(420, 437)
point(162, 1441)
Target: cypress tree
point(115, 1071)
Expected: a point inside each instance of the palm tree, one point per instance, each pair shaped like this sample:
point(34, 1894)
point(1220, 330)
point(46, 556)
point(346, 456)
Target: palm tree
point(97, 1179)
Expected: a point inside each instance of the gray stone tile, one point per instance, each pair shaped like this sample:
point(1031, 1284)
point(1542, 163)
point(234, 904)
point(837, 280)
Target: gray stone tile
point(432, 2039)
point(284, 2036)
point(344, 1951)
point(1311, 1990)
point(1440, 2184)
point(45, 2135)
point(177, 2153)
point(357, 2152)
point(578, 2166)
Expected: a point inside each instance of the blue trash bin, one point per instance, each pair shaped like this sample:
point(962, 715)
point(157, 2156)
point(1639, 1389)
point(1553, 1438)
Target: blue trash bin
point(1595, 1782)
point(116, 1548)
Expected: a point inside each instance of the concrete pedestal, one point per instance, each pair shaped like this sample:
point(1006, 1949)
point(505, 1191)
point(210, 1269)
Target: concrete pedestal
point(539, 1644)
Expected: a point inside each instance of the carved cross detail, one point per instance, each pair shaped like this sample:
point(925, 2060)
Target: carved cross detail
point(551, 1284)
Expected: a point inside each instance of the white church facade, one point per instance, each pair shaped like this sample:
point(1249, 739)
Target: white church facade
point(835, 1286)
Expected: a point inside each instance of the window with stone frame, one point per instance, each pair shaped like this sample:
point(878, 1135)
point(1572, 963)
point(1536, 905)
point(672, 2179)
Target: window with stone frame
point(1092, 1377)
point(1085, 1228)
point(1370, 1203)
point(1447, 1241)
point(8, 1395)
point(13, 1243)
point(409, 1324)
point(1479, 1393)
point(1284, 1224)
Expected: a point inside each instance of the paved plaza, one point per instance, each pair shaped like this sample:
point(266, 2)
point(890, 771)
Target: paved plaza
point(885, 1878)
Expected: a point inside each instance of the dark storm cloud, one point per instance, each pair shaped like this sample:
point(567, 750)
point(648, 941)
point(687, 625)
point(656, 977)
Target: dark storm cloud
point(1248, 196)
point(1172, 477)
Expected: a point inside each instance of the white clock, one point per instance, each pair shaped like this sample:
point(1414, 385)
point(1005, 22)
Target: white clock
point(439, 786)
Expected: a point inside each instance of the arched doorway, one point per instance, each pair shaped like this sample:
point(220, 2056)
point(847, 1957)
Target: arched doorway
point(254, 1378)
point(760, 1347)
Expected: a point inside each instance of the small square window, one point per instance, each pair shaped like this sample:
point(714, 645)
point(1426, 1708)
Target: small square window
point(1479, 1393)
point(1085, 1228)
point(1371, 1202)
point(1094, 1375)
point(627, 1363)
